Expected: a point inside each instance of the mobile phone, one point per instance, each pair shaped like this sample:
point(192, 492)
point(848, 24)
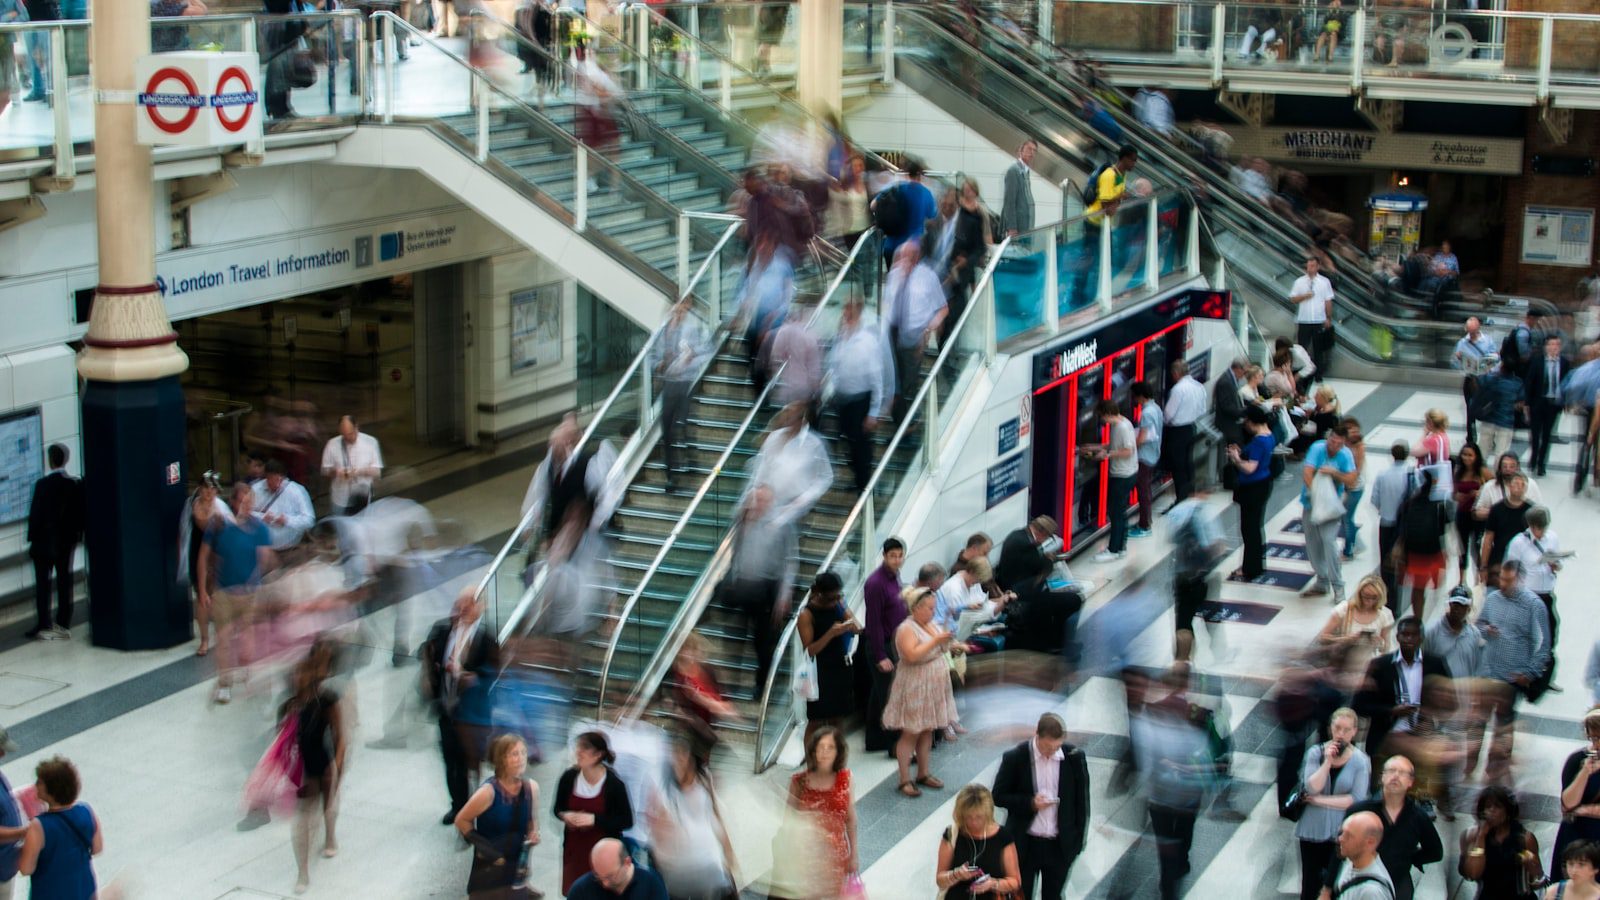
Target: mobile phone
point(982, 877)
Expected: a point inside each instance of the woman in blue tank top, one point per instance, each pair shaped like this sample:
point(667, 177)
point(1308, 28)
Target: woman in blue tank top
point(57, 852)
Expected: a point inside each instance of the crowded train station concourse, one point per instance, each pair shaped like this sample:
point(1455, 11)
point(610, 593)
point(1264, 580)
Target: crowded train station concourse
point(812, 449)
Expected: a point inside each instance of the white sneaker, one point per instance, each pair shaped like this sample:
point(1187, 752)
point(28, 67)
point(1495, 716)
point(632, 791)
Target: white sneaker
point(62, 633)
point(1109, 556)
point(223, 695)
point(1315, 587)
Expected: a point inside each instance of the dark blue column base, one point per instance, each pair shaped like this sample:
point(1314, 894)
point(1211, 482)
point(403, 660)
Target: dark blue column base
point(133, 434)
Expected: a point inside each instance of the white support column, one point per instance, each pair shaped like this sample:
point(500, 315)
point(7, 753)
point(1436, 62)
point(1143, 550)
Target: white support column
point(819, 84)
point(1047, 21)
point(724, 85)
point(930, 425)
point(641, 36)
point(1052, 281)
point(480, 98)
point(1103, 289)
point(66, 163)
point(1191, 252)
point(1547, 27)
point(580, 182)
point(1219, 39)
point(1358, 48)
point(888, 44)
point(683, 254)
point(388, 71)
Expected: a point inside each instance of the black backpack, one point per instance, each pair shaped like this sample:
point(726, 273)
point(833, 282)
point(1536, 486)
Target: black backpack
point(1363, 879)
point(1090, 195)
point(1421, 525)
point(890, 211)
point(1511, 354)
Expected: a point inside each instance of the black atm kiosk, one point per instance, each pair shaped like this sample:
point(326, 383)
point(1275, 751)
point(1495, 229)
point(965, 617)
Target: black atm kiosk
point(1079, 371)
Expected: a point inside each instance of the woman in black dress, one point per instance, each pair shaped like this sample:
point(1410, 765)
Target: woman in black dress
point(1580, 792)
point(1498, 853)
point(321, 739)
point(976, 851)
point(825, 628)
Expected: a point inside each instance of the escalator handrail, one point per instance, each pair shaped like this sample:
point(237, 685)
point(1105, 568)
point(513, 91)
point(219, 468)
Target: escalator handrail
point(523, 525)
point(561, 135)
point(856, 511)
point(641, 689)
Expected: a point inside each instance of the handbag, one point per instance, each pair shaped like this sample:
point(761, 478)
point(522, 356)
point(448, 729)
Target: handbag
point(1325, 502)
point(805, 678)
point(275, 783)
point(1294, 806)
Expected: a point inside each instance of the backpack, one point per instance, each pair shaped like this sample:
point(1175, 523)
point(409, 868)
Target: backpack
point(1421, 525)
point(890, 211)
point(1511, 351)
point(1482, 401)
point(1090, 195)
point(1193, 556)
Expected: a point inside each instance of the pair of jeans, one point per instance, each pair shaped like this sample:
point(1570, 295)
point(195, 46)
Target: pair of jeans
point(1349, 528)
point(1322, 550)
point(1117, 489)
point(1144, 483)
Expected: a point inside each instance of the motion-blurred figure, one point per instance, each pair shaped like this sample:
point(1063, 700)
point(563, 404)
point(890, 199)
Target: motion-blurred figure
point(568, 474)
point(861, 368)
point(761, 572)
point(235, 557)
point(676, 359)
point(322, 735)
point(457, 655)
point(792, 462)
point(915, 308)
point(284, 505)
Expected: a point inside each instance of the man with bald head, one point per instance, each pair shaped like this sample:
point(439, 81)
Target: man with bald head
point(1362, 875)
point(613, 874)
point(1410, 839)
point(571, 473)
point(352, 463)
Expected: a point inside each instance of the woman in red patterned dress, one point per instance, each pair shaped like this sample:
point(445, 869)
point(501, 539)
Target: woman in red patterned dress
point(822, 789)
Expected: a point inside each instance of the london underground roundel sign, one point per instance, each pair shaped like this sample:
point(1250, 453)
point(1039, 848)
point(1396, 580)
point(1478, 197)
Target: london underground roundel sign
point(234, 98)
point(172, 100)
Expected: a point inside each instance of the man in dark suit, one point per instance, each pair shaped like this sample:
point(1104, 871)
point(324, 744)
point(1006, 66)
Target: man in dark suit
point(1043, 619)
point(1542, 387)
point(459, 658)
point(55, 527)
point(1227, 406)
point(1043, 785)
point(1391, 694)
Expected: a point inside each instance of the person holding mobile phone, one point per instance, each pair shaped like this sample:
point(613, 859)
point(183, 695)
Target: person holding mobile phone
point(977, 856)
point(1043, 784)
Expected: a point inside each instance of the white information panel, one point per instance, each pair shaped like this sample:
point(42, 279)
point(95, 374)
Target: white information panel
point(195, 98)
point(1557, 235)
point(21, 462)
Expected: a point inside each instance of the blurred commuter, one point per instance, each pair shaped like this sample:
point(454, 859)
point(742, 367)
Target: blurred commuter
point(458, 653)
point(966, 256)
point(697, 695)
point(592, 802)
point(322, 736)
point(1516, 652)
point(1254, 488)
point(860, 366)
point(278, 40)
point(920, 700)
point(677, 358)
point(847, 205)
point(792, 355)
point(1580, 793)
point(57, 853)
point(690, 847)
point(598, 97)
point(828, 632)
point(914, 309)
point(818, 838)
point(284, 506)
point(501, 822)
point(885, 610)
point(1169, 747)
point(1333, 777)
point(1507, 467)
point(203, 511)
point(353, 462)
point(1470, 474)
point(793, 463)
point(56, 518)
point(1539, 551)
point(1197, 546)
point(1495, 399)
point(1499, 852)
point(613, 873)
point(1152, 422)
point(1043, 784)
point(1390, 491)
point(1308, 692)
point(761, 573)
point(902, 210)
point(977, 855)
point(235, 557)
point(1423, 523)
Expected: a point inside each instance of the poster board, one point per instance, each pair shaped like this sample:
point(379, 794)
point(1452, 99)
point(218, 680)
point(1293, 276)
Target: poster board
point(536, 327)
point(21, 462)
point(1557, 235)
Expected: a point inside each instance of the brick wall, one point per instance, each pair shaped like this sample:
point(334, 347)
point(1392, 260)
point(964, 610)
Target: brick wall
point(1107, 26)
point(1553, 283)
point(1572, 43)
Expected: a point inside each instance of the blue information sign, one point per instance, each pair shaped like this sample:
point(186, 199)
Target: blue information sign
point(1010, 434)
point(1006, 478)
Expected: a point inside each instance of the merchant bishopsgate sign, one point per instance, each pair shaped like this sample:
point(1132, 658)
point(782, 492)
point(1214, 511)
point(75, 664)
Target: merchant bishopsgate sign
point(1333, 146)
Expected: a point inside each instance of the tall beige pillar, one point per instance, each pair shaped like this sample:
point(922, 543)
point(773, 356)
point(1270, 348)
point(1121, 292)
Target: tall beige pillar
point(134, 448)
point(820, 83)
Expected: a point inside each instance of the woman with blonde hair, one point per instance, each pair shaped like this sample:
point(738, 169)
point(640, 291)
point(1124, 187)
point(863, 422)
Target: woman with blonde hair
point(921, 699)
point(1320, 419)
point(1363, 619)
point(976, 855)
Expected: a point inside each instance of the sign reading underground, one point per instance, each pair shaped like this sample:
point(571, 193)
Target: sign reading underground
point(198, 99)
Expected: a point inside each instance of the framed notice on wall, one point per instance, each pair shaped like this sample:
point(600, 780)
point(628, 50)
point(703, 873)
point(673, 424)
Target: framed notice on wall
point(536, 327)
point(1557, 235)
point(21, 462)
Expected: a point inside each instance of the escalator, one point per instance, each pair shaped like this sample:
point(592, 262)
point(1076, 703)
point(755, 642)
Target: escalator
point(1261, 251)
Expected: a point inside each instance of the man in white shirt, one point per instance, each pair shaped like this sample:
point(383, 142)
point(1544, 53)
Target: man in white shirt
point(858, 366)
point(915, 308)
point(352, 462)
point(1313, 295)
point(284, 506)
point(794, 464)
point(1122, 467)
point(1537, 549)
point(1471, 351)
point(1186, 403)
point(1155, 110)
point(677, 357)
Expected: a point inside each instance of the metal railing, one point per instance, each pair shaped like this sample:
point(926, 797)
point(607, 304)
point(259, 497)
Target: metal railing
point(644, 688)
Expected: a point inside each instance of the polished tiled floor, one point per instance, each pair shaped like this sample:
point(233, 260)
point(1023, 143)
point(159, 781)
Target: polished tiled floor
point(163, 767)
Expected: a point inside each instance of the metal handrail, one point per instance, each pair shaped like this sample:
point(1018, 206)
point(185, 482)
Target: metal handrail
point(694, 504)
point(839, 543)
point(588, 434)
